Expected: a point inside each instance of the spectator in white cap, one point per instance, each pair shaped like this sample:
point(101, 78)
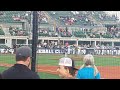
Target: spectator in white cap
point(67, 68)
point(88, 70)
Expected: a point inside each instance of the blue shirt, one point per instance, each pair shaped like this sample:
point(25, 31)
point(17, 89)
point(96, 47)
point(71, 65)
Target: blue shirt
point(87, 73)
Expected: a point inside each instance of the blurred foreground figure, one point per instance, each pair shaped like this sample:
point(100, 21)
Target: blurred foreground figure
point(67, 68)
point(22, 68)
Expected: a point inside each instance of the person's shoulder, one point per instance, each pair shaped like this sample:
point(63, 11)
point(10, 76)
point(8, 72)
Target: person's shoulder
point(7, 70)
point(1, 77)
point(34, 75)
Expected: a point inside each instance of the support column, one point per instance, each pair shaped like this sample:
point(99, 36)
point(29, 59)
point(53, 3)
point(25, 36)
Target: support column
point(27, 42)
point(95, 43)
point(8, 42)
point(112, 44)
point(77, 42)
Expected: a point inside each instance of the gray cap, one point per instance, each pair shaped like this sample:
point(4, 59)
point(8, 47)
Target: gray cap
point(23, 51)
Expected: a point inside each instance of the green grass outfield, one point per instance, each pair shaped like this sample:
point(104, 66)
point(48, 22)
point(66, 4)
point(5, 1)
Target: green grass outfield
point(50, 59)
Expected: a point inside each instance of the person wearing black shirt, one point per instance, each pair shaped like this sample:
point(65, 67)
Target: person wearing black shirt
point(22, 68)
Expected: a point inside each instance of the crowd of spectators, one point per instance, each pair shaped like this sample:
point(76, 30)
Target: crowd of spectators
point(64, 32)
point(16, 31)
point(102, 16)
point(42, 17)
point(73, 18)
point(47, 32)
point(68, 18)
point(112, 32)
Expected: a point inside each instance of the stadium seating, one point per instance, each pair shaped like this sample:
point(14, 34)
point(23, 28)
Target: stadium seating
point(70, 17)
point(8, 16)
point(1, 31)
point(66, 18)
point(16, 31)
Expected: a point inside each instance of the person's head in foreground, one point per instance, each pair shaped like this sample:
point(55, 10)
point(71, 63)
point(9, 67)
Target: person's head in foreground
point(66, 68)
point(22, 68)
point(23, 56)
point(88, 70)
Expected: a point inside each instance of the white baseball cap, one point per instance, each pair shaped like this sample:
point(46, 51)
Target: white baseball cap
point(65, 61)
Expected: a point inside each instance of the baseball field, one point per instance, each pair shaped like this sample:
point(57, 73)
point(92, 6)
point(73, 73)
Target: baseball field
point(109, 66)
